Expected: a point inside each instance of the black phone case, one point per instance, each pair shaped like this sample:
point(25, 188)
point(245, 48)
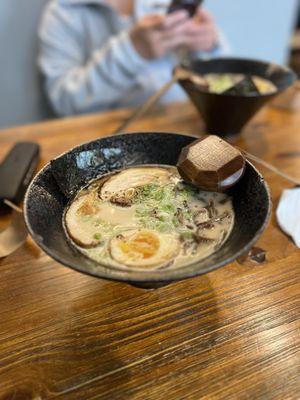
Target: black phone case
point(189, 5)
point(17, 170)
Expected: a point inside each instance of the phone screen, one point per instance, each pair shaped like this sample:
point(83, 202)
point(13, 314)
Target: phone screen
point(189, 5)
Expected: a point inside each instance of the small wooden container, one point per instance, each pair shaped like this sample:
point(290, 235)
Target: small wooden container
point(211, 164)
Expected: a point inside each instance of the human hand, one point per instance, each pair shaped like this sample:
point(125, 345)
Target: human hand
point(200, 32)
point(155, 35)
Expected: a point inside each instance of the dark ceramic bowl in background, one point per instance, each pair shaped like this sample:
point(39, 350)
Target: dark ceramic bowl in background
point(226, 115)
point(51, 189)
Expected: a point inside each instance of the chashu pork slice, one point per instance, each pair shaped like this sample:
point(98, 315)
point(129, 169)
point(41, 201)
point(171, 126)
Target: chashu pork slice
point(120, 187)
point(80, 221)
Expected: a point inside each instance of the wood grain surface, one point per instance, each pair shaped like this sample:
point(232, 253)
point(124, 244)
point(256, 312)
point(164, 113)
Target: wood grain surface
point(231, 334)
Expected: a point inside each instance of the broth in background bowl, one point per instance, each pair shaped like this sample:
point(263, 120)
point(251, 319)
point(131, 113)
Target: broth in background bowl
point(220, 83)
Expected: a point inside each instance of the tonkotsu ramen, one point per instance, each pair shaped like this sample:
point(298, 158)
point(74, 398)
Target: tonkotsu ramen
point(145, 218)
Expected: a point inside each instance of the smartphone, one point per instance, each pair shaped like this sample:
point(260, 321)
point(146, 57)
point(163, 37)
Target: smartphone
point(189, 5)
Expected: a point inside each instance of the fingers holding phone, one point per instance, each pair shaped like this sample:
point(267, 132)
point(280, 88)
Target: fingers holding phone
point(202, 33)
point(156, 35)
point(151, 35)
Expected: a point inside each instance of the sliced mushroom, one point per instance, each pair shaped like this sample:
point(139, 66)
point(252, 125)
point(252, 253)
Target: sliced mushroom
point(180, 216)
point(123, 198)
point(220, 218)
point(212, 211)
point(201, 216)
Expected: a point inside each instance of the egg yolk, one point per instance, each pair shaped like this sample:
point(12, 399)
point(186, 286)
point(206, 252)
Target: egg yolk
point(142, 245)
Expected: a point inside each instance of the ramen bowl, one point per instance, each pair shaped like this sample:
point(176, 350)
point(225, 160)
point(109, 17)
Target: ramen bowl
point(225, 115)
point(51, 190)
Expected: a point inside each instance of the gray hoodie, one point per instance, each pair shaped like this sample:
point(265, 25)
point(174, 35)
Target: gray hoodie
point(89, 62)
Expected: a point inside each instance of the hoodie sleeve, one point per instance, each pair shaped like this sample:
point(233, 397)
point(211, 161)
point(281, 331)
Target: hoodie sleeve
point(74, 84)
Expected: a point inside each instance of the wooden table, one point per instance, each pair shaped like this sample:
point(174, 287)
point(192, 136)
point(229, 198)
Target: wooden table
point(231, 334)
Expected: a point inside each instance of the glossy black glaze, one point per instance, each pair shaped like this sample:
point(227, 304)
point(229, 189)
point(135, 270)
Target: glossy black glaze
point(226, 114)
point(51, 189)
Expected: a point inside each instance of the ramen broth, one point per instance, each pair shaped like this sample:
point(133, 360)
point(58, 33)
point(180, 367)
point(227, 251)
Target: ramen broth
point(147, 218)
point(219, 83)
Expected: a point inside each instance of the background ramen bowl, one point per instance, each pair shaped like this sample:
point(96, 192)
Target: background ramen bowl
point(60, 180)
point(226, 114)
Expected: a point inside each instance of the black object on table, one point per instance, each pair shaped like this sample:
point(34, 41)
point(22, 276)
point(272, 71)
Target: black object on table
point(16, 172)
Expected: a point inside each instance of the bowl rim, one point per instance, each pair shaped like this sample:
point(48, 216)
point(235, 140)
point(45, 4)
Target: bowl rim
point(132, 276)
point(246, 60)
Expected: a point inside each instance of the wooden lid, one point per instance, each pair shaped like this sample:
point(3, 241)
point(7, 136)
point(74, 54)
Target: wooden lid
point(211, 164)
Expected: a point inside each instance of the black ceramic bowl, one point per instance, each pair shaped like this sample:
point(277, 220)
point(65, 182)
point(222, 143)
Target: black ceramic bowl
point(226, 115)
point(51, 189)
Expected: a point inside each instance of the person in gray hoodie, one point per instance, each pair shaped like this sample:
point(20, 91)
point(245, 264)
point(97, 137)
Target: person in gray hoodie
point(97, 55)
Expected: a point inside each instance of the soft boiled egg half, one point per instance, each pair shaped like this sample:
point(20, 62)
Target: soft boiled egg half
point(144, 248)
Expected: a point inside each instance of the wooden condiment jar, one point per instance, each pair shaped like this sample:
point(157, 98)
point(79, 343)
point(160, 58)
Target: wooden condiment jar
point(211, 164)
